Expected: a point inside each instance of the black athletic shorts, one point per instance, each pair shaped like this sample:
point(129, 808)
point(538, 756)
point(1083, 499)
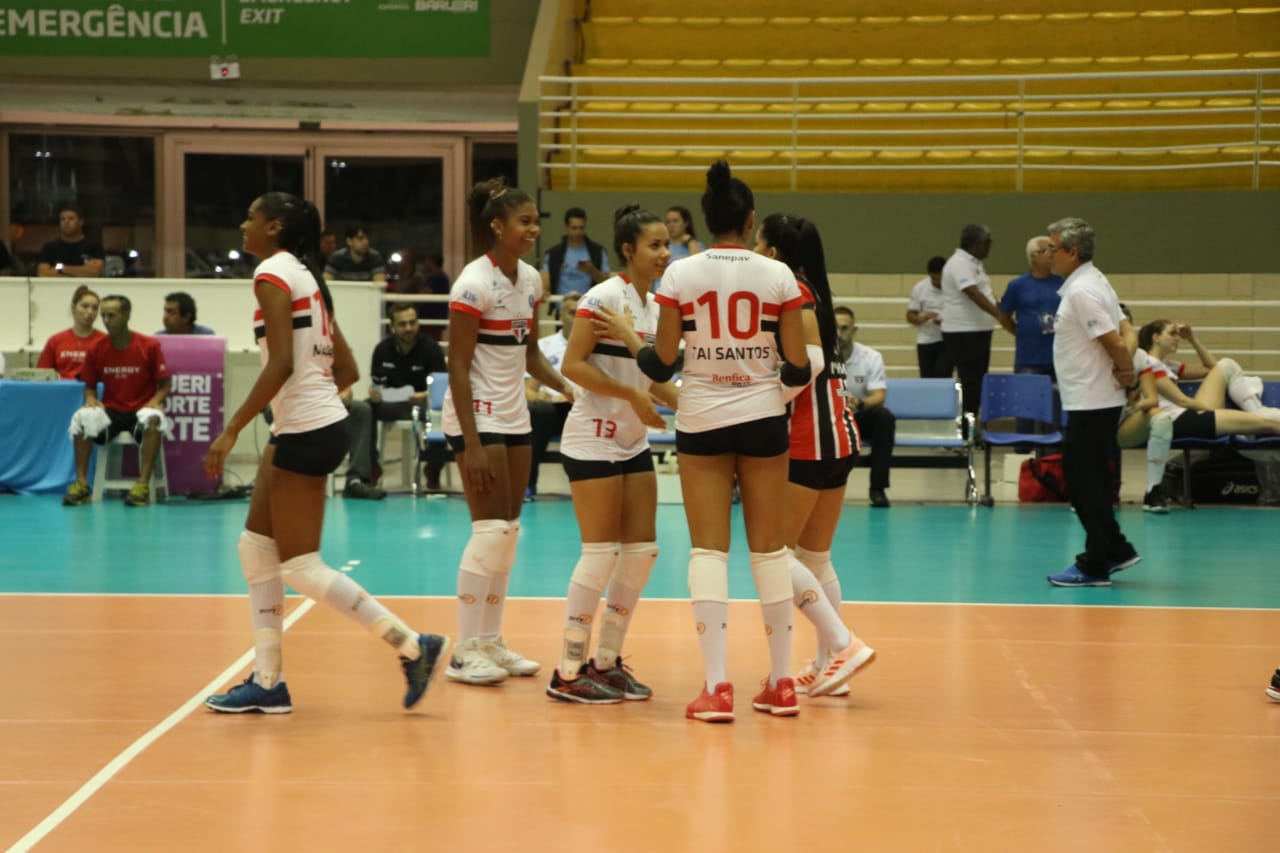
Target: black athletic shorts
point(597, 469)
point(821, 474)
point(765, 437)
point(316, 453)
point(520, 439)
point(121, 421)
point(1194, 424)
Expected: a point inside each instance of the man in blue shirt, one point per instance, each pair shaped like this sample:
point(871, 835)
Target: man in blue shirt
point(575, 263)
point(180, 316)
point(1028, 307)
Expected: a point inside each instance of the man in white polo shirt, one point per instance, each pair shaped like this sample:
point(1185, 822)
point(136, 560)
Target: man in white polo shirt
point(969, 312)
point(1094, 370)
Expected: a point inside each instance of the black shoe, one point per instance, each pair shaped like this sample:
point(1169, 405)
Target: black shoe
point(1274, 690)
point(878, 498)
point(1156, 500)
point(362, 490)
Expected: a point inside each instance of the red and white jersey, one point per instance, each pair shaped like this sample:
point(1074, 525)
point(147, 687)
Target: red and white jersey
point(308, 400)
point(822, 427)
point(65, 352)
point(600, 427)
point(507, 313)
point(730, 299)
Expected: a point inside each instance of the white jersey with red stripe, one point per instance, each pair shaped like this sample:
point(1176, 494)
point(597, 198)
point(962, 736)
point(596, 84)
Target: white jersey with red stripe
point(506, 313)
point(600, 427)
point(822, 427)
point(730, 299)
point(308, 399)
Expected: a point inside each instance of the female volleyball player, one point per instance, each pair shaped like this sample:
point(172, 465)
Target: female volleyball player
point(605, 448)
point(493, 342)
point(824, 446)
point(305, 363)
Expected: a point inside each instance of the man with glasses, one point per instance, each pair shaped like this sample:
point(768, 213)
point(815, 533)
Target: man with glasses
point(1094, 369)
point(864, 381)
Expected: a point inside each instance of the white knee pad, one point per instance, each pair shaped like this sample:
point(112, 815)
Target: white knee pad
point(1160, 436)
point(708, 575)
point(772, 574)
point(818, 562)
point(513, 540)
point(259, 558)
point(486, 547)
point(308, 574)
point(635, 564)
point(89, 422)
point(1230, 369)
point(595, 565)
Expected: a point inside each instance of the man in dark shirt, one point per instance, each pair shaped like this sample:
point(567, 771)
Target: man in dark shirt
point(401, 363)
point(357, 262)
point(72, 254)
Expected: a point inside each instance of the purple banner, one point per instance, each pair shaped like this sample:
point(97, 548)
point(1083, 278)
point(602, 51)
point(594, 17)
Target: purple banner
point(194, 406)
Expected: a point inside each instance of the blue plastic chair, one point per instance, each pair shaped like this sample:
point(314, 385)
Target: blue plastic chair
point(1020, 396)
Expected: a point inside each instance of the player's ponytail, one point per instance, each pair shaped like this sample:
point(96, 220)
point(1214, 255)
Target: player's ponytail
point(799, 246)
point(299, 234)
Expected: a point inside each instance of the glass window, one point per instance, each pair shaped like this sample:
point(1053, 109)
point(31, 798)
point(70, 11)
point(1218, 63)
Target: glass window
point(111, 179)
point(220, 188)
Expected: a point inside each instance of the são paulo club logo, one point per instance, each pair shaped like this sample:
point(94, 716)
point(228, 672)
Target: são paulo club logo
point(520, 329)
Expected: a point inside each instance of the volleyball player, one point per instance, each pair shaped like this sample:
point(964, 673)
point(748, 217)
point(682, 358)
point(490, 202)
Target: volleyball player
point(605, 448)
point(305, 363)
point(493, 342)
point(732, 307)
point(824, 446)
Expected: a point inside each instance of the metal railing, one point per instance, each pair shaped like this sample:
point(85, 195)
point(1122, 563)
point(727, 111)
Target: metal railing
point(1142, 121)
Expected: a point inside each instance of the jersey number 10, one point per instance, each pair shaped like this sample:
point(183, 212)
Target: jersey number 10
point(740, 327)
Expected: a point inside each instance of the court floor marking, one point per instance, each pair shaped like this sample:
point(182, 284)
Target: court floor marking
point(115, 765)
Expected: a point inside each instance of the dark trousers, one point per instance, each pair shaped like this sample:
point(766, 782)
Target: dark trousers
point(878, 426)
point(933, 361)
point(546, 420)
point(1089, 444)
point(970, 352)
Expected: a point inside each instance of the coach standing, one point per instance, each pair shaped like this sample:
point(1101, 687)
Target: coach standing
point(1094, 368)
point(969, 312)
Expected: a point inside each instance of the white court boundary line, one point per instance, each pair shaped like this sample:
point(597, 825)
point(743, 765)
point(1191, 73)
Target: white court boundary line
point(115, 765)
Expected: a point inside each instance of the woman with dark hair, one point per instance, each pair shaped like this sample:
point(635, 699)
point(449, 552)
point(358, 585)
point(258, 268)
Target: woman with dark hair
point(732, 307)
point(493, 342)
point(684, 239)
point(824, 446)
point(605, 448)
point(305, 363)
point(65, 351)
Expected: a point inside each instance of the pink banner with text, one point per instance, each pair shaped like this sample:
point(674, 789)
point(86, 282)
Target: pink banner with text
point(194, 405)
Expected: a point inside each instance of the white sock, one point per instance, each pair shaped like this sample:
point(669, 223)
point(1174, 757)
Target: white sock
point(819, 562)
point(580, 614)
point(495, 602)
point(1159, 443)
point(482, 559)
point(472, 589)
point(309, 575)
point(266, 601)
point(814, 606)
point(620, 605)
point(777, 627)
point(712, 618)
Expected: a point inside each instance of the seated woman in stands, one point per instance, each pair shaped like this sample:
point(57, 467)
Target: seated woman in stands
point(1205, 415)
point(65, 351)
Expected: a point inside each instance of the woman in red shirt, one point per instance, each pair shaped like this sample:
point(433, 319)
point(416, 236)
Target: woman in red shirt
point(65, 351)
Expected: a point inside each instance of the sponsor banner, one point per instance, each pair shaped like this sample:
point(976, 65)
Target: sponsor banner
point(194, 407)
point(245, 28)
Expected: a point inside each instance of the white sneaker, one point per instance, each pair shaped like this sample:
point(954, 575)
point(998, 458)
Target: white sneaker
point(512, 663)
point(470, 665)
point(841, 667)
point(808, 674)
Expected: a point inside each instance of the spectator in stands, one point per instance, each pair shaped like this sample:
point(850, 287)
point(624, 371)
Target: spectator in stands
point(684, 239)
point(548, 409)
point(135, 382)
point(328, 245)
point(180, 316)
point(72, 253)
point(924, 311)
point(1027, 310)
point(433, 280)
point(401, 364)
point(65, 351)
point(357, 262)
point(969, 312)
point(575, 263)
point(865, 383)
point(1094, 367)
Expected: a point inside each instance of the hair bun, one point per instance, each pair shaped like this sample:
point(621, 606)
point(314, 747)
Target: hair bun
point(719, 175)
point(624, 210)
